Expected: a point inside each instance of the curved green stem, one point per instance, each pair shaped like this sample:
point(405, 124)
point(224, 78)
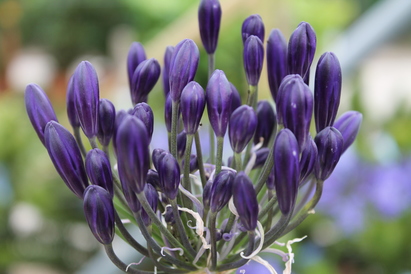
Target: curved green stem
point(119, 263)
point(200, 159)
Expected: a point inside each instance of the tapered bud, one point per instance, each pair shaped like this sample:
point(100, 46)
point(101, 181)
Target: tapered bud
point(106, 121)
point(243, 122)
point(136, 55)
point(207, 194)
point(144, 112)
point(245, 201)
point(66, 157)
point(261, 156)
point(253, 25)
point(181, 144)
point(209, 18)
point(71, 107)
point(253, 59)
point(39, 109)
point(301, 50)
point(330, 144)
point(192, 105)
point(221, 190)
point(98, 169)
point(120, 115)
point(133, 159)
point(276, 61)
point(153, 179)
point(327, 90)
point(348, 125)
point(144, 79)
point(157, 155)
point(271, 180)
point(169, 173)
point(295, 103)
point(152, 198)
point(235, 98)
point(99, 212)
point(266, 122)
point(183, 67)
point(308, 159)
point(168, 108)
point(131, 197)
point(193, 163)
point(86, 97)
point(166, 70)
point(218, 97)
point(286, 170)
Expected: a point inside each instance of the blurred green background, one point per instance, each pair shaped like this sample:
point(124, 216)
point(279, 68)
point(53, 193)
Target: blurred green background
point(363, 223)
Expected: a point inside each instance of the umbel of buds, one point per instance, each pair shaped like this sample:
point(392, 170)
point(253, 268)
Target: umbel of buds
point(201, 216)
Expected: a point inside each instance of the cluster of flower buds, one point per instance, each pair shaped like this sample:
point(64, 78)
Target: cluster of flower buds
point(218, 217)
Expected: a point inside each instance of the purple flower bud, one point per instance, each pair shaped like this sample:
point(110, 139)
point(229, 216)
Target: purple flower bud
point(106, 121)
point(209, 18)
point(218, 96)
point(207, 194)
point(271, 180)
point(192, 103)
point(66, 157)
point(71, 107)
point(253, 25)
point(168, 108)
point(266, 122)
point(133, 159)
point(295, 103)
point(193, 163)
point(86, 97)
point(181, 144)
point(136, 55)
point(169, 173)
point(131, 197)
point(157, 155)
point(39, 109)
point(144, 79)
point(286, 170)
point(221, 190)
point(153, 179)
point(348, 125)
point(330, 144)
point(98, 169)
point(276, 61)
point(169, 216)
point(183, 67)
point(308, 159)
point(261, 157)
point(99, 212)
point(301, 50)
point(243, 122)
point(253, 59)
point(144, 112)
point(167, 60)
point(327, 90)
point(120, 115)
point(235, 98)
point(152, 198)
point(245, 201)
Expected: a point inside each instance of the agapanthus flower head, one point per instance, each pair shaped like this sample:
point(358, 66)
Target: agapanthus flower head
point(286, 170)
point(245, 201)
point(183, 67)
point(144, 112)
point(169, 173)
point(308, 159)
point(98, 169)
point(136, 55)
point(218, 96)
point(144, 79)
point(192, 105)
point(301, 50)
point(152, 198)
point(349, 125)
point(266, 122)
point(39, 109)
point(132, 144)
point(71, 108)
point(330, 144)
point(276, 61)
point(66, 157)
point(241, 129)
point(235, 97)
point(166, 70)
point(209, 19)
point(253, 59)
point(106, 121)
point(221, 190)
point(327, 90)
point(86, 97)
point(99, 212)
point(253, 25)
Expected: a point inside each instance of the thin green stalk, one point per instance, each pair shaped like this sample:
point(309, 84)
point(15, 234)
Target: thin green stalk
point(120, 264)
point(242, 261)
point(211, 225)
point(200, 159)
point(174, 124)
point(77, 135)
point(187, 154)
point(237, 162)
point(93, 142)
point(219, 160)
point(160, 266)
point(270, 215)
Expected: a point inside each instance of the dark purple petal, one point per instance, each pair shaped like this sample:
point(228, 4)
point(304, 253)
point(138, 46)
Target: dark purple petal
point(308, 159)
point(253, 59)
point(39, 109)
point(209, 18)
point(136, 55)
point(235, 98)
point(157, 155)
point(207, 194)
point(253, 25)
point(192, 104)
point(166, 70)
point(221, 190)
point(181, 144)
point(120, 115)
point(261, 157)
point(106, 121)
point(348, 125)
point(71, 107)
point(245, 201)
point(266, 122)
point(144, 79)
point(168, 108)
point(271, 180)
point(152, 198)
point(98, 169)
point(276, 61)
point(153, 178)
point(144, 112)
point(99, 212)
point(169, 172)
point(327, 90)
point(66, 157)
point(243, 122)
point(286, 170)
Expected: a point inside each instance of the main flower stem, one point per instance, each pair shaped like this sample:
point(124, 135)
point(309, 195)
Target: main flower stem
point(219, 160)
point(200, 159)
point(174, 124)
point(211, 223)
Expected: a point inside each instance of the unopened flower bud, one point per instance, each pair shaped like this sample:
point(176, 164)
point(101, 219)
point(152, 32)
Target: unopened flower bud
point(71, 107)
point(166, 70)
point(144, 79)
point(261, 157)
point(330, 144)
point(253, 25)
point(181, 144)
point(348, 125)
point(192, 104)
point(253, 59)
point(136, 55)
point(308, 159)
point(221, 190)
point(276, 61)
point(245, 201)
point(152, 198)
point(209, 18)
point(106, 121)
point(243, 122)
point(98, 170)
point(266, 122)
point(144, 112)
point(169, 173)
point(235, 98)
